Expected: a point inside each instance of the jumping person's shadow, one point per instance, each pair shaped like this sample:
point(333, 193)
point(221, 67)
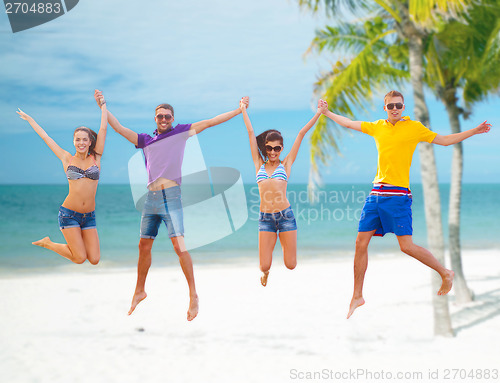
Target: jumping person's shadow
point(485, 307)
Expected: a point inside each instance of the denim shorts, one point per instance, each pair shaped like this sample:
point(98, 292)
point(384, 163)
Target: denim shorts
point(387, 214)
point(69, 218)
point(281, 221)
point(163, 205)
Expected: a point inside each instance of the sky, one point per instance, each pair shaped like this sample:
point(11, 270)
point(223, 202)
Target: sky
point(201, 57)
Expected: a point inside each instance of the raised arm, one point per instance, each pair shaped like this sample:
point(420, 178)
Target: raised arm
point(115, 124)
point(200, 126)
point(257, 160)
point(343, 121)
point(455, 138)
point(292, 155)
point(62, 154)
point(101, 135)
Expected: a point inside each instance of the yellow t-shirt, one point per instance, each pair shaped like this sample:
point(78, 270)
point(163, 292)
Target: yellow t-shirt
point(395, 145)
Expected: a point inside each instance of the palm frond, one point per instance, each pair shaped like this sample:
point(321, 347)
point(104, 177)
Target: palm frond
point(332, 7)
point(428, 13)
point(350, 85)
point(464, 54)
point(350, 37)
point(388, 7)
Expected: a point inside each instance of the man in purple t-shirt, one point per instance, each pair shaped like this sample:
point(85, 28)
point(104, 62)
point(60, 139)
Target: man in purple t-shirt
point(163, 153)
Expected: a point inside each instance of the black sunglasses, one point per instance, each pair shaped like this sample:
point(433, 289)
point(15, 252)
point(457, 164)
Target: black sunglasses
point(398, 105)
point(270, 148)
point(167, 117)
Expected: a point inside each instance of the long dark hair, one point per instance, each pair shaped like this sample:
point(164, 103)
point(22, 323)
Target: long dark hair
point(268, 135)
point(93, 139)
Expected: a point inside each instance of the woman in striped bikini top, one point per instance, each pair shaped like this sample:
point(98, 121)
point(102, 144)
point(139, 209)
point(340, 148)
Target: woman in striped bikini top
point(279, 173)
point(76, 173)
point(77, 210)
point(276, 214)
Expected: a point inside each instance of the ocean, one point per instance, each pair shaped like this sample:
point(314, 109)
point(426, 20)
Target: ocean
point(327, 228)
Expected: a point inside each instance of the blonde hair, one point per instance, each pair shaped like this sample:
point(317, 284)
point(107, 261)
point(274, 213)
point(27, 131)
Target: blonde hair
point(394, 93)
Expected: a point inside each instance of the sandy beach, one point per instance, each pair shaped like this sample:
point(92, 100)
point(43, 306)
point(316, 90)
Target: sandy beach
point(72, 326)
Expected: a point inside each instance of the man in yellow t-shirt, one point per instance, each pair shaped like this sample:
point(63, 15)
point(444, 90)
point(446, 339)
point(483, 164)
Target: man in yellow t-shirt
point(388, 207)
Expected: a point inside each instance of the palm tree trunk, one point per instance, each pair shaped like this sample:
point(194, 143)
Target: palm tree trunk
point(432, 201)
point(462, 292)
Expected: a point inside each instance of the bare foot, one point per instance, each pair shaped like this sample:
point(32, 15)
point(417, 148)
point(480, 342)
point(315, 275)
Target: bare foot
point(355, 303)
point(193, 308)
point(263, 278)
point(42, 242)
point(138, 297)
point(447, 283)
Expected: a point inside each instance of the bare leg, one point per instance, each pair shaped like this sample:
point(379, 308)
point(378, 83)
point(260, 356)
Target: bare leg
point(143, 265)
point(288, 240)
point(187, 268)
point(74, 250)
point(423, 255)
point(267, 241)
point(360, 266)
point(91, 241)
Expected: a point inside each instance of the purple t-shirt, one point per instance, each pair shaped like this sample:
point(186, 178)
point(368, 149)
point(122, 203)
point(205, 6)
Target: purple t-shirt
point(164, 153)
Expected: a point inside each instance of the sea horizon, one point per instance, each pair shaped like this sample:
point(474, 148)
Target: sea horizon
point(326, 229)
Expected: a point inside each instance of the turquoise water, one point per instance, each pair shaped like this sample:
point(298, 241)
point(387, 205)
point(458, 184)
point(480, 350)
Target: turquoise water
point(326, 229)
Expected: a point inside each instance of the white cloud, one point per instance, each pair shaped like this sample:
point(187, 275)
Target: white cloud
point(201, 56)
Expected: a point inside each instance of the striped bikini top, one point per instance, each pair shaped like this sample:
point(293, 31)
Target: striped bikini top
point(75, 173)
point(279, 173)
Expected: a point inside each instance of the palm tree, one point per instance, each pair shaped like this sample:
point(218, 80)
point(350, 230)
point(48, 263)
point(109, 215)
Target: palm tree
point(461, 56)
point(411, 24)
point(377, 63)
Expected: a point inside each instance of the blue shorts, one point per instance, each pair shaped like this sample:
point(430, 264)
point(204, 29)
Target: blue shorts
point(281, 221)
point(387, 214)
point(163, 205)
point(69, 218)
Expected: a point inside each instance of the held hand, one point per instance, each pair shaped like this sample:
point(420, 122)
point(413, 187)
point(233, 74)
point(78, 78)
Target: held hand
point(244, 102)
point(322, 106)
point(99, 98)
point(483, 128)
point(23, 115)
